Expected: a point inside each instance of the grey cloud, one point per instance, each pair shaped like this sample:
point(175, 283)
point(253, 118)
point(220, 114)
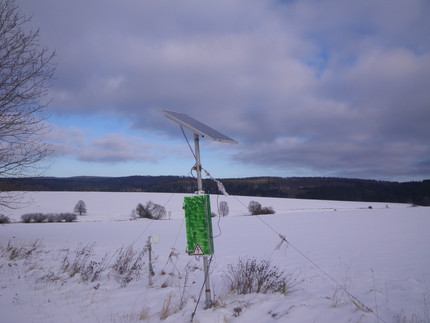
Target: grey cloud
point(111, 148)
point(331, 86)
point(341, 158)
point(388, 89)
point(64, 141)
point(108, 156)
point(118, 148)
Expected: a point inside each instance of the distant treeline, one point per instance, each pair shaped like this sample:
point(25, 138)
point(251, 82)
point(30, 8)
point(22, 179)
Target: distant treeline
point(324, 188)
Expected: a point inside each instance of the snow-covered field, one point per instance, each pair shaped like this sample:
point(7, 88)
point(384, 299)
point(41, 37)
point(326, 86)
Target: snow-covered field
point(380, 255)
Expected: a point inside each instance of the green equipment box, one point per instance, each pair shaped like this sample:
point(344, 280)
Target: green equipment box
point(199, 225)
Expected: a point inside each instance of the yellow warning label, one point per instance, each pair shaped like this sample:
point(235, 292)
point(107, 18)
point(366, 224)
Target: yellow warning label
point(198, 251)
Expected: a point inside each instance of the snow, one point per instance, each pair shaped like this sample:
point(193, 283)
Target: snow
point(380, 255)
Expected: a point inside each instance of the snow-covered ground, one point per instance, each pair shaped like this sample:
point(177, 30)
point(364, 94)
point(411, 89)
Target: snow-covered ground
point(380, 255)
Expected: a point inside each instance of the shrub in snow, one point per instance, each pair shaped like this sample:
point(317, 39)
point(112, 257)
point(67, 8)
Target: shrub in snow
point(401, 317)
point(166, 310)
point(158, 212)
point(94, 270)
point(128, 264)
point(82, 255)
point(267, 210)
point(15, 251)
point(151, 211)
point(142, 211)
point(89, 270)
point(256, 276)
point(68, 217)
point(4, 219)
point(26, 218)
point(80, 207)
point(255, 208)
point(39, 217)
point(34, 217)
point(52, 218)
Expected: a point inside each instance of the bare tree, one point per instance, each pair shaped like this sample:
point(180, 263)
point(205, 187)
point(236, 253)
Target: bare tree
point(223, 208)
point(26, 73)
point(254, 207)
point(151, 211)
point(80, 207)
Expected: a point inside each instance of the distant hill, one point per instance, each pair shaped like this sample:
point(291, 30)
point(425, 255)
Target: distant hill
point(324, 188)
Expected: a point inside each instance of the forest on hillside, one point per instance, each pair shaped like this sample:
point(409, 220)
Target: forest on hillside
point(324, 188)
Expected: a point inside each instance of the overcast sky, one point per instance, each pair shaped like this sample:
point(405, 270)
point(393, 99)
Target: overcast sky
point(307, 88)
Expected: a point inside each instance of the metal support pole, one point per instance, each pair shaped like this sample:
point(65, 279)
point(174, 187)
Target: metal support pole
point(208, 302)
point(198, 165)
point(150, 269)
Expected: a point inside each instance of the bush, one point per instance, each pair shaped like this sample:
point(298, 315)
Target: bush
point(128, 264)
point(20, 251)
point(26, 218)
point(142, 212)
point(39, 217)
point(51, 217)
point(68, 217)
point(4, 219)
point(252, 276)
point(267, 210)
point(33, 217)
point(78, 265)
point(151, 211)
point(89, 270)
point(255, 208)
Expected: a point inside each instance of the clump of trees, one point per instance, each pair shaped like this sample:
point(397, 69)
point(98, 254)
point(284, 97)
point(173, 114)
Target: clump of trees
point(150, 210)
point(51, 217)
point(255, 208)
point(80, 208)
point(4, 219)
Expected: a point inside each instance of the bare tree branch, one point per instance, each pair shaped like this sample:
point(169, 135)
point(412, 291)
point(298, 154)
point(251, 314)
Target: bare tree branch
point(26, 74)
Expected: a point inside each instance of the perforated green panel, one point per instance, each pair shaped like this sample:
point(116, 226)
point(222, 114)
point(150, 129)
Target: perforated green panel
point(199, 225)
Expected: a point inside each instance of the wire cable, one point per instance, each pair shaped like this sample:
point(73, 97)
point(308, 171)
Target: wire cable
point(219, 219)
point(222, 189)
point(353, 298)
point(186, 139)
point(146, 229)
point(168, 200)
